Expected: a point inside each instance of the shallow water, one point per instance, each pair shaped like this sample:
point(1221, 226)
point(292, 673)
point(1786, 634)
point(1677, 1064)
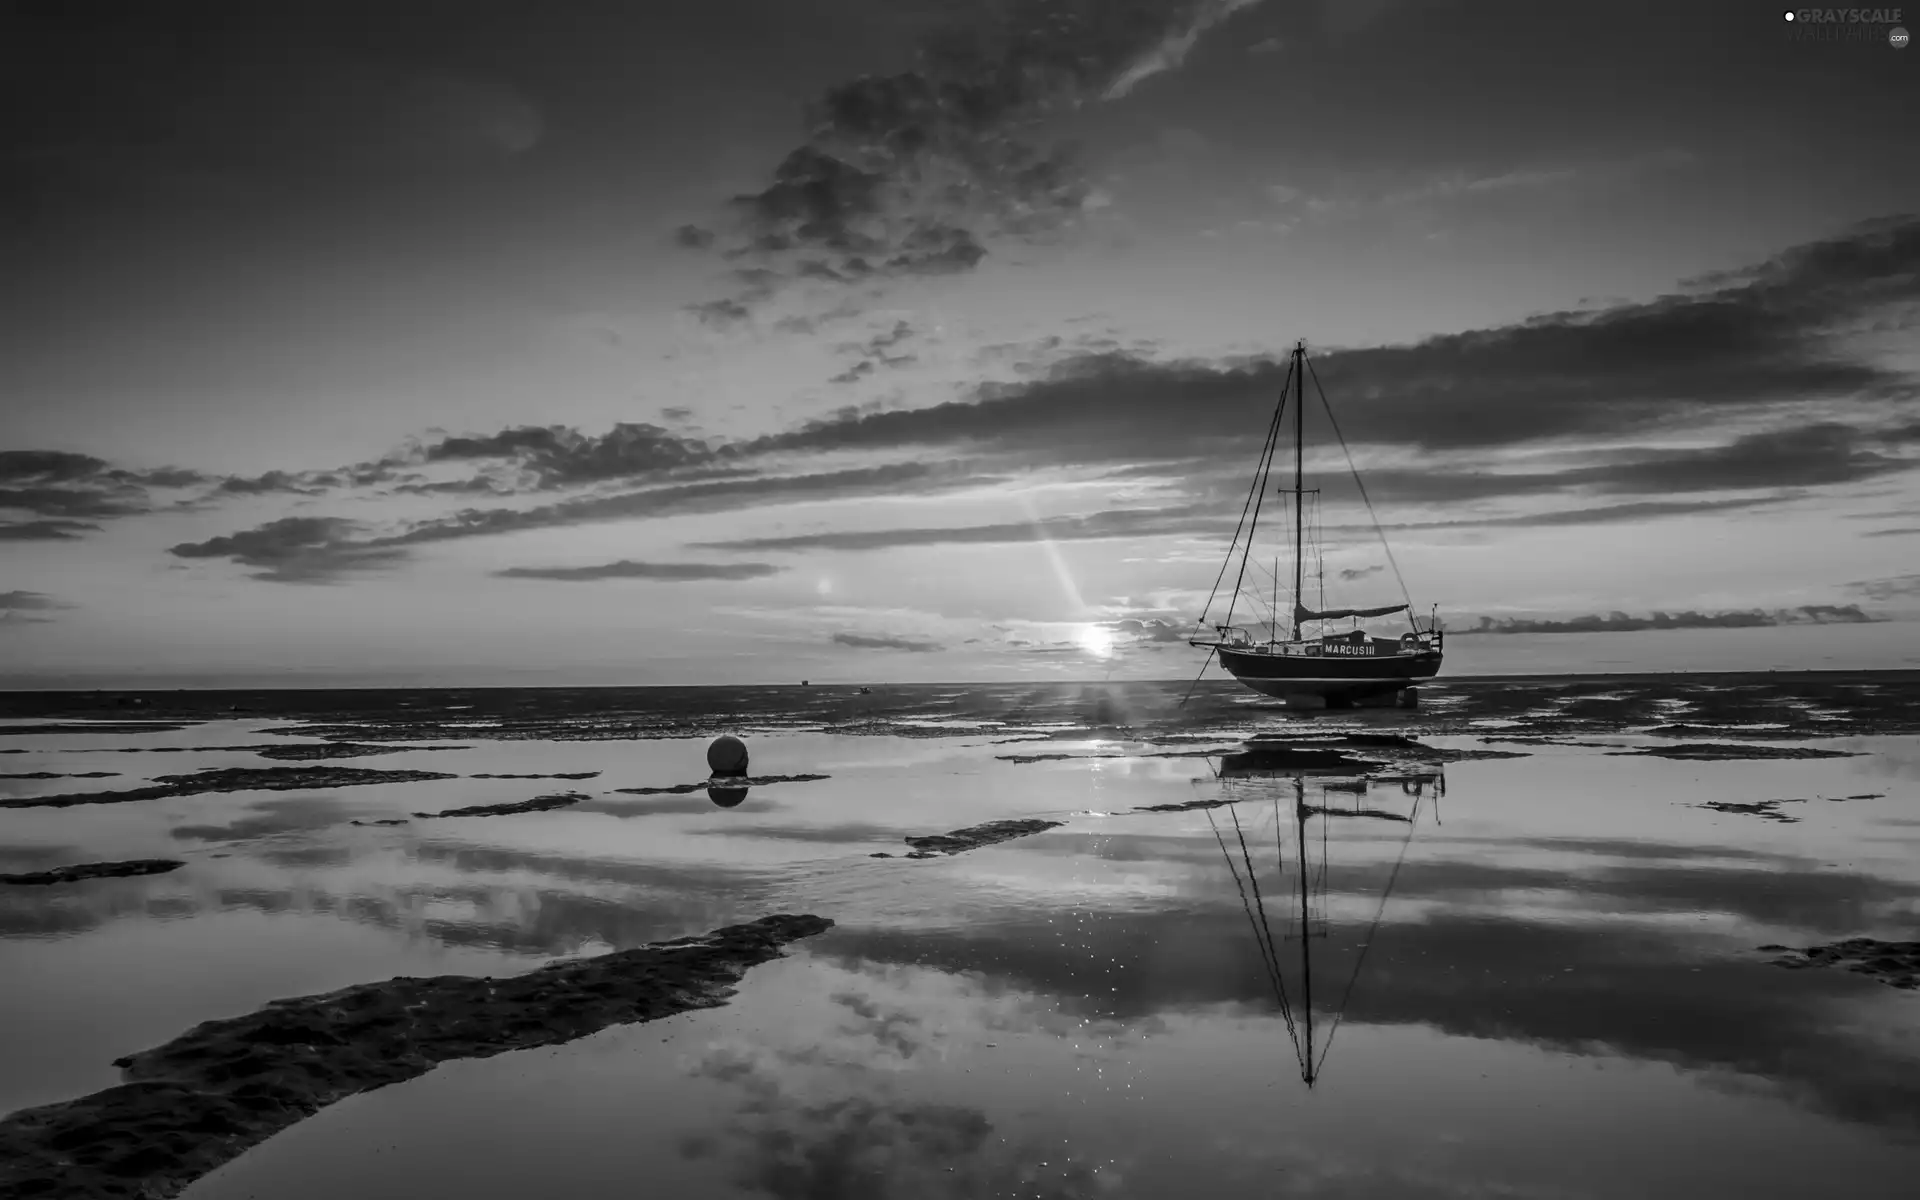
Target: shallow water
point(1546, 983)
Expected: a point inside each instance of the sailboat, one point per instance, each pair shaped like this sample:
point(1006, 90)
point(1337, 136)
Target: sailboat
point(1333, 667)
point(1296, 1004)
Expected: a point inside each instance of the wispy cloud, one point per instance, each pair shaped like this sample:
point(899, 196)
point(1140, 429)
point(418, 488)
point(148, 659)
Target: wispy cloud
point(21, 601)
point(1114, 523)
point(297, 550)
point(18, 608)
point(73, 490)
point(1174, 46)
point(718, 496)
point(1151, 631)
point(49, 530)
point(322, 549)
point(917, 173)
point(862, 641)
point(1896, 587)
point(1451, 191)
point(555, 456)
point(1619, 622)
point(662, 572)
point(305, 484)
point(1607, 514)
point(877, 353)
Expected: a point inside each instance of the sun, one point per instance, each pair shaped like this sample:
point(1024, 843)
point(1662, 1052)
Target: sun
point(1096, 640)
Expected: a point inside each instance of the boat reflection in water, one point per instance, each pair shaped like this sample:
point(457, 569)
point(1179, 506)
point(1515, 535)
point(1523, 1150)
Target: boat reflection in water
point(1319, 801)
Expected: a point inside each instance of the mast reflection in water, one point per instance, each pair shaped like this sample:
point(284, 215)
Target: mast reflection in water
point(1303, 897)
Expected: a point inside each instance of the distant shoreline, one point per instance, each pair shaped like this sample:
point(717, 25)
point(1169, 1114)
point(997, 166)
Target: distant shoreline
point(827, 686)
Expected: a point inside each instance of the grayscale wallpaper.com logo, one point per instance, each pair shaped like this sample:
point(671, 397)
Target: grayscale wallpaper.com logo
point(1848, 25)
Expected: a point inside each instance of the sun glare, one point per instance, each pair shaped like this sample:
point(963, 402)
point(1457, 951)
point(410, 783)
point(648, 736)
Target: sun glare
point(1096, 640)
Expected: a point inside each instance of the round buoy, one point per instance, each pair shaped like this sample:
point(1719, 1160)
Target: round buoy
point(727, 755)
point(727, 797)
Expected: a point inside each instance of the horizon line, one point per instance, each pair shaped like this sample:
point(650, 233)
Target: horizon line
point(811, 685)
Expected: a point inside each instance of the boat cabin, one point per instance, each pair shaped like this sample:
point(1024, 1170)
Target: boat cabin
point(1354, 643)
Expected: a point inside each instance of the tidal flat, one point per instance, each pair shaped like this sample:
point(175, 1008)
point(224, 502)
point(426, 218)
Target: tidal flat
point(1607, 937)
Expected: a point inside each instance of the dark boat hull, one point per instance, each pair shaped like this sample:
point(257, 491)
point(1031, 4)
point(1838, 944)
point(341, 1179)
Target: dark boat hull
point(1329, 677)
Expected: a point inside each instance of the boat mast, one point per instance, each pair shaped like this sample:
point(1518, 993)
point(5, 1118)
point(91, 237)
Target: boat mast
point(1306, 927)
point(1299, 508)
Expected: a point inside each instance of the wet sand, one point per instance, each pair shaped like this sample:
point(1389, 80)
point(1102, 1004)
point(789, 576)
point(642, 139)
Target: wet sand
point(224, 1086)
point(1555, 956)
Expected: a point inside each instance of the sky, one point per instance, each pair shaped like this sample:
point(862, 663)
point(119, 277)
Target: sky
point(479, 343)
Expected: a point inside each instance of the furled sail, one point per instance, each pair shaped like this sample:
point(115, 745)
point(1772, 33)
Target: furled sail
point(1333, 614)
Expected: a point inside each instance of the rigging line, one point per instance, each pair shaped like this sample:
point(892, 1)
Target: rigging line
point(1372, 932)
point(1204, 664)
point(1259, 476)
point(1246, 904)
point(1260, 498)
point(1267, 958)
point(1404, 594)
point(1253, 881)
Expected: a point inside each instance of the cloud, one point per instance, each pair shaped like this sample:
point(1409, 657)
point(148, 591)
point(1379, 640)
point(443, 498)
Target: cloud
point(48, 466)
point(302, 484)
point(1619, 622)
point(693, 237)
point(556, 456)
point(18, 601)
point(323, 549)
point(721, 314)
point(625, 569)
point(916, 173)
point(44, 531)
point(19, 608)
point(1808, 456)
point(72, 488)
point(807, 1139)
point(719, 496)
point(1173, 48)
point(1897, 587)
point(1200, 520)
point(1152, 630)
point(1609, 514)
point(478, 485)
point(1347, 198)
point(873, 353)
point(1755, 341)
point(1905, 532)
point(1753, 346)
point(1113, 523)
point(1353, 573)
point(296, 550)
point(861, 641)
